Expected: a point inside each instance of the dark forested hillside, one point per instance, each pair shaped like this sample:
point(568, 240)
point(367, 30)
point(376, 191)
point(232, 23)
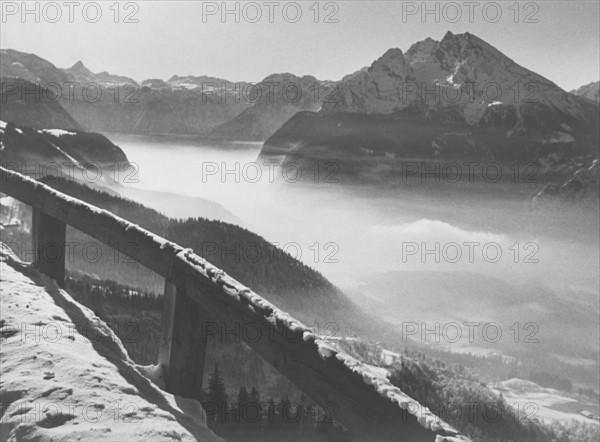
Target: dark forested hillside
point(245, 256)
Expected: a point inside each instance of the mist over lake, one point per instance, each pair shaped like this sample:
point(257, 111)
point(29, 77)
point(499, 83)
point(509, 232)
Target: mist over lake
point(351, 233)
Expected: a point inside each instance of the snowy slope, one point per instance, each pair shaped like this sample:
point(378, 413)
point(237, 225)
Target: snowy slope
point(550, 404)
point(69, 377)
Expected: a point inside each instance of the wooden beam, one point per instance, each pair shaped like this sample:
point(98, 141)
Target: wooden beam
point(168, 319)
point(365, 412)
point(49, 240)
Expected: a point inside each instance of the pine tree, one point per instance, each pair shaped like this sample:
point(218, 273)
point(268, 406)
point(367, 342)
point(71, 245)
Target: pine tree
point(242, 403)
point(255, 396)
point(271, 411)
point(255, 408)
point(216, 397)
point(285, 411)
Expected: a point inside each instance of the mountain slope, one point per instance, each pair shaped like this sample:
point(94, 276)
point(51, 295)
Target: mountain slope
point(30, 67)
point(33, 149)
point(28, 104)
point(280, 96)
point(245, 256)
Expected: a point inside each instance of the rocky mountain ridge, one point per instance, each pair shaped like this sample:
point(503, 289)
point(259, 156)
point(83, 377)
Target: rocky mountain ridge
point(459, 98)
point(590, 91)
point(460, 79)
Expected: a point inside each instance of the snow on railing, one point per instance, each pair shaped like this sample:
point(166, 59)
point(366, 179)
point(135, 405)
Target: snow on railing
point(363, 398)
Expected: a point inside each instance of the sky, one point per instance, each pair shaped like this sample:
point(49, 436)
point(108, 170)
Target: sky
point(557, 39)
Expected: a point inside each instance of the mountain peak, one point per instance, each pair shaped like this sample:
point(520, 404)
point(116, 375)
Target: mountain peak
point(393, 53)
point(392, 61)
point(80, 67)
point(448, 36)
point(421, 50)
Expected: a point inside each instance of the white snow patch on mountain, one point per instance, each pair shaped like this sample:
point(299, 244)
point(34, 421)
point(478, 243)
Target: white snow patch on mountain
point(57, 132)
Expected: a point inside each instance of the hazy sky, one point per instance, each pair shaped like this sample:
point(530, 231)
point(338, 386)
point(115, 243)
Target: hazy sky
point(177, 38)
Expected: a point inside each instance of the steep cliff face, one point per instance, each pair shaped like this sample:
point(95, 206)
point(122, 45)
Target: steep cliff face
point(377, 90)
point(67, 376)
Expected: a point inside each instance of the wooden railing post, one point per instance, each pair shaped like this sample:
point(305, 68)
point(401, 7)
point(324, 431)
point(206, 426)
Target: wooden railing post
point(183, 343)
point(48, 236)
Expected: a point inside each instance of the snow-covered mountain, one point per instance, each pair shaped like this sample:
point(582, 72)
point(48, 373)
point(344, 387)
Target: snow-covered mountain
point(456, 98)
point(462, 73)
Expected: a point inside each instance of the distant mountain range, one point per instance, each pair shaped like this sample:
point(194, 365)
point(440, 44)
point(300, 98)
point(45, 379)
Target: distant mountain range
point(182, 105)
point(458, 98)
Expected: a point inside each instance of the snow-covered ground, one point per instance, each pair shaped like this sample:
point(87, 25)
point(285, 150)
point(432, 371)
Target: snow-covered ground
point(66, 376)
point(538, 403)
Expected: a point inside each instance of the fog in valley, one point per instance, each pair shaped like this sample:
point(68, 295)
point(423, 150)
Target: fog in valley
point(405, 255)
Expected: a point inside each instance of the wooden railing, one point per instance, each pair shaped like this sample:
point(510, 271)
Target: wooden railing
point(196, 292)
